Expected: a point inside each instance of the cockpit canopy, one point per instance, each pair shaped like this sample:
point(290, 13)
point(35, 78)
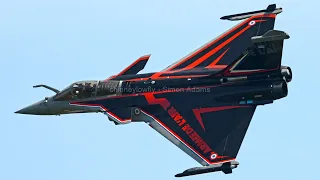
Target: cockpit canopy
point(88, 89)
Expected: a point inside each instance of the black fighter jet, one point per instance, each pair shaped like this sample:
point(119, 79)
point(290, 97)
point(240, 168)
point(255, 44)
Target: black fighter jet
point(203, 103)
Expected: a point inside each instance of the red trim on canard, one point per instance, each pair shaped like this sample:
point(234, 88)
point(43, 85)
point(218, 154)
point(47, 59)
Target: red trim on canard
point(111, 77)
point(142, 58)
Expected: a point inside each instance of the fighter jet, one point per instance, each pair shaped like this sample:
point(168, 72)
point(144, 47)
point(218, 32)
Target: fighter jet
point(202, 103)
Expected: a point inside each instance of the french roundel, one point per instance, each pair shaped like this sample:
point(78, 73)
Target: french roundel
point(213, 156)
point(251, 23)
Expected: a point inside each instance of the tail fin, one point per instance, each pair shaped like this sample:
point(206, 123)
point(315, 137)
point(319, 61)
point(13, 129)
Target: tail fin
point(221, 51)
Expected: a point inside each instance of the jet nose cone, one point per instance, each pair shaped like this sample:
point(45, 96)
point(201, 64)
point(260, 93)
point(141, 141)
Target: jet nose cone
point(27, 110)
point(35, 109)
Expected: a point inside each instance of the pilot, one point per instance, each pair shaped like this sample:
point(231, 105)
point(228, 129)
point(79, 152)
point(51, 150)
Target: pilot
point(93, 89)
point(88, 87)
point(87, 90)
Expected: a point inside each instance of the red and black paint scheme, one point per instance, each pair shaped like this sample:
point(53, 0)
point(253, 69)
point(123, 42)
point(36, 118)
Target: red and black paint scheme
point(204, 102)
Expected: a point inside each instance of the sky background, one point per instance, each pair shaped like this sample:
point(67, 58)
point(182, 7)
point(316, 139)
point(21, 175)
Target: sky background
point(59, 42)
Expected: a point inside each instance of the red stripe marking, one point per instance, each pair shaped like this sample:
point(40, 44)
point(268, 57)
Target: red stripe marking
point(156, 76)
point(220, 37)
point(216, 40)
point(118, 118)
point(212, 65)
point(178, 137)
point(165, 104)
point(210, 53)
point(260, 20)
point(219, 66)
point(198, 112)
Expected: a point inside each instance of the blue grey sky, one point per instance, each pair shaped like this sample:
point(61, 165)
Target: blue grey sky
point(59, 42)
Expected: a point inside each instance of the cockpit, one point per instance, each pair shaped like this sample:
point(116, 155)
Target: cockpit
point(88, 89)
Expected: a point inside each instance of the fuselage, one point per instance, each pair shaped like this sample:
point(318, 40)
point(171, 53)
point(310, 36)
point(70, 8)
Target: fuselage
point(101, 96)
